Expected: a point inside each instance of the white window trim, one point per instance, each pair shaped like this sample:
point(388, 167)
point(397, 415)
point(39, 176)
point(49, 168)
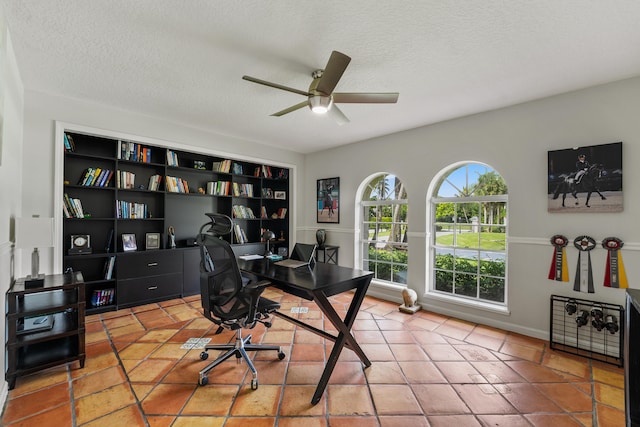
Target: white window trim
point(430, 292)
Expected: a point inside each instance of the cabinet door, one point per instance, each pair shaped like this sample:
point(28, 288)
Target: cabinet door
point(148, 289)
point(149, 263)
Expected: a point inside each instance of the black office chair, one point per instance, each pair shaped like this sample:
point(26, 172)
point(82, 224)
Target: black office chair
point(230, 299)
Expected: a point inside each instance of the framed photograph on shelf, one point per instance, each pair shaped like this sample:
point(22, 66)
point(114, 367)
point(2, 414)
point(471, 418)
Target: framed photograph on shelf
point(585, 179)
point(129, 242)
point(152, 241)
point(328, 203)
point(281, 195)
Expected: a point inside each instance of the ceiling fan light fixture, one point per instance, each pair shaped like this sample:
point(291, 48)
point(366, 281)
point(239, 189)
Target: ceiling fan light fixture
point(320, 104)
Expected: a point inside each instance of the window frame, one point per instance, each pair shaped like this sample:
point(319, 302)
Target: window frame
point(362, 239)
point(432, 247)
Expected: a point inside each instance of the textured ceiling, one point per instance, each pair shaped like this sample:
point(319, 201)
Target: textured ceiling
point(183, 60)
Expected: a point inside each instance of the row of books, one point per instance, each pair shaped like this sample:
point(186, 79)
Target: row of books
point(176, 185)
point(243, 212)
point(242, 190)
point(125, 180)
point(72, 208)
point(69, 145)
point(95, 177)
point(109, 264)
point(172, 158)
point(219, 188)
point(134, 152)
point(154, 182)
point(131, 210)
point(102, 297)
point(279, 214)
point(223, 166)
point(239, 234)
point(264, 171)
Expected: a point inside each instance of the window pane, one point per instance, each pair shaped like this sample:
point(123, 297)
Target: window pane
point(466, 261)
point(444, 281)
point(444, 259)
point(492, 264)
point(466, 284)
point(492, 289)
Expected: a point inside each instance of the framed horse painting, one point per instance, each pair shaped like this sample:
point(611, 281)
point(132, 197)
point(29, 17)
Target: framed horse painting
point(585, 179)
point(328, 202)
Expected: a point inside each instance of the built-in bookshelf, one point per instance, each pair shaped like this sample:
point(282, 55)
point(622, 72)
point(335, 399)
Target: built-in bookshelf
point(153, 195)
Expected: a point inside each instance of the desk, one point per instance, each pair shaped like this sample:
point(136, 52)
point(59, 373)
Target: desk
point(318, 284)
point(329, 254)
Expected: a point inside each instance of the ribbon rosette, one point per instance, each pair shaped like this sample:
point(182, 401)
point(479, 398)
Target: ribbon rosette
point(559, 270)
point(614, 275)
point(584, 275)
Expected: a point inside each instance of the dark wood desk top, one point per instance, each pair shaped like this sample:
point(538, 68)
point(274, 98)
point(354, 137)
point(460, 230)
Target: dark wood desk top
point(329, 278)
point(51, 282)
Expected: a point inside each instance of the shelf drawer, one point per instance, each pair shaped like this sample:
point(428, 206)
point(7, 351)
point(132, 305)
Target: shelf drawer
point(150, 263)
point(147, 289)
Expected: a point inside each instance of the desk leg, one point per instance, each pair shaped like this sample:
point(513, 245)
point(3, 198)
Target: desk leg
point(344, 334)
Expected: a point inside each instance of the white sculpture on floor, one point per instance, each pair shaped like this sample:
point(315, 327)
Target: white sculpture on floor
point(410, 298)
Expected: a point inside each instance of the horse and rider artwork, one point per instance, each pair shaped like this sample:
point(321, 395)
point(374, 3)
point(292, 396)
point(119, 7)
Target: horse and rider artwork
point(585, 179)
point(329, 200)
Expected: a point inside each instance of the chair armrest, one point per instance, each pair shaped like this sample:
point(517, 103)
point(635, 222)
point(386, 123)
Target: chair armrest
point(260, 285)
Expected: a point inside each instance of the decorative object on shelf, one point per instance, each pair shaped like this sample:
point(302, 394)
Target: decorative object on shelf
point(280, 195)
point(34, 232)
point(199, 164)
point(283, 251)
point(614, 275)
point(152, 241)
point(268, 235)
point(281, 238)
point(321, 237)
point(129, 242)
point(559, 270)
point(80, 244)
point(172, 237)
point(328, 202)
point(410, 299)
point(584, 275)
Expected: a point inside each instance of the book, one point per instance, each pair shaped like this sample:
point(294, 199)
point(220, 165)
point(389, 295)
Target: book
point(109, 244)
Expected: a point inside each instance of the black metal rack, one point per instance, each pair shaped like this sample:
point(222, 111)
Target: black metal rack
point(587, 328)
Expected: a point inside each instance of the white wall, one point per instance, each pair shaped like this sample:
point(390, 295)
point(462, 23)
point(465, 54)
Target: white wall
point(11, 110)
point(515, 142)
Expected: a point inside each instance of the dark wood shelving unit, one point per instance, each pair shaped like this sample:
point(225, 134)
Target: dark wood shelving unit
point(184, 211)
point(63, 298)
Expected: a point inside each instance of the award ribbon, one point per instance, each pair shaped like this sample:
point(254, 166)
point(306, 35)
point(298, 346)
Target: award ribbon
point(614, 275)
point(584, 275)
point(559, 270)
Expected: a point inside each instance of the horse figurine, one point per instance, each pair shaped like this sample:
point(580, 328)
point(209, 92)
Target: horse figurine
point(588, 184)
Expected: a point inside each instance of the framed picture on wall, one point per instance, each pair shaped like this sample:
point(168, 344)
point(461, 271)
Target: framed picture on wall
point(585, 179)
point(328, 200)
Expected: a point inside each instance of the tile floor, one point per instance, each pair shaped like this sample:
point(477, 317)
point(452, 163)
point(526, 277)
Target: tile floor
point(427, 370)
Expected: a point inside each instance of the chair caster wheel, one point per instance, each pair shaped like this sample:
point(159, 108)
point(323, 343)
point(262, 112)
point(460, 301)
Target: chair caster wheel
point(281, 355)
point(204, 355)
point(203, 381)
point(254, 384)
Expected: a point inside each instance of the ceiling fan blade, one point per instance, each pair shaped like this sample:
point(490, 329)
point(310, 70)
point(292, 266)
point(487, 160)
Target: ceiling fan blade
point(338, 115)
point(366, 98)
point(275, 85)
point(333, 72)
point(292, 108)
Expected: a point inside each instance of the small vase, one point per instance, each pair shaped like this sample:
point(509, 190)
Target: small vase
point(321, 237)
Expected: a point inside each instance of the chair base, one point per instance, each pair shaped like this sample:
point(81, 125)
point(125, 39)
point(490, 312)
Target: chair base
point(239, 349)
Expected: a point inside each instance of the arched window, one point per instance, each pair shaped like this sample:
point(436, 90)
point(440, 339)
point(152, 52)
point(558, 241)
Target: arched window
point(383, 239)
point(468, 234)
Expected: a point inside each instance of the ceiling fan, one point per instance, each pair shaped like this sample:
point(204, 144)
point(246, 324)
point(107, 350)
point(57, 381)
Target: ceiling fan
point(320, 96)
